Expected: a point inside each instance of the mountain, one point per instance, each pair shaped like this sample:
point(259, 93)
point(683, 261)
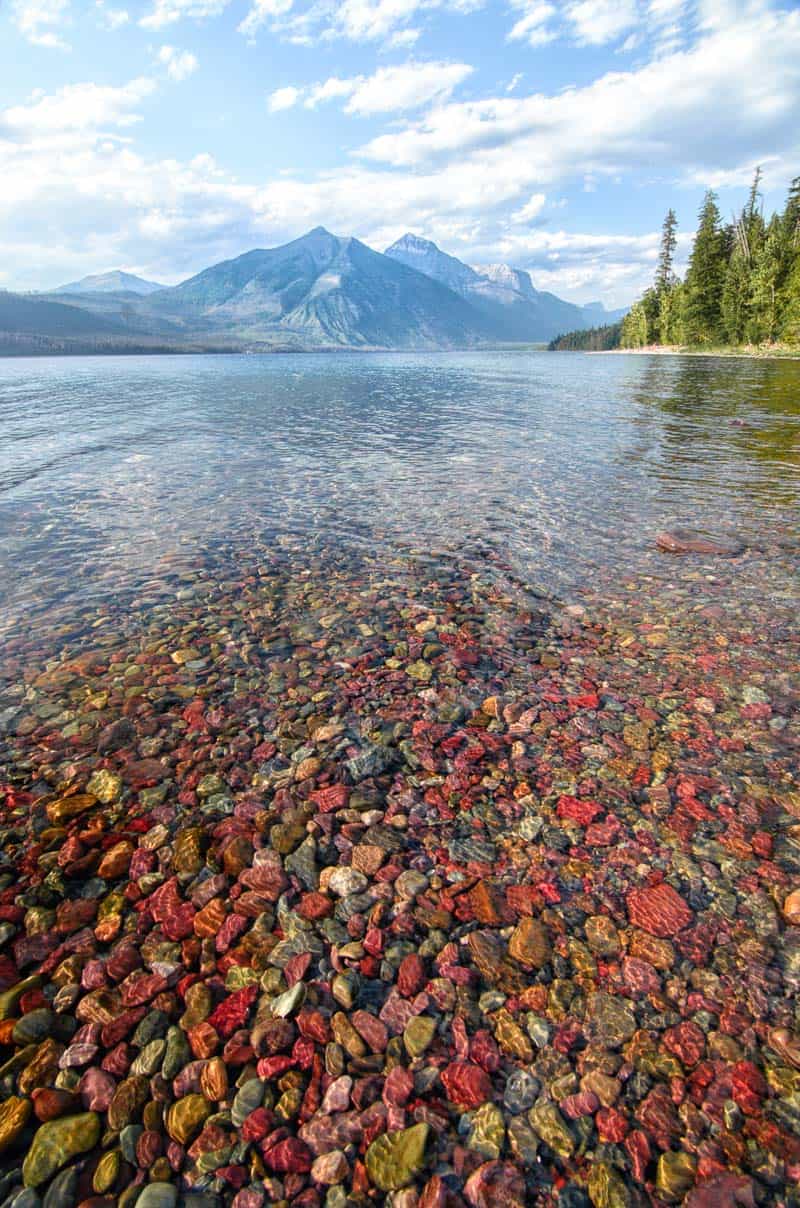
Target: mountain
point(31, 325)
point(600, 316)
point(109, 283)
point(20, 313)
point(427, 258)
point(322, 290)
point(319, 291)
point(505, 296)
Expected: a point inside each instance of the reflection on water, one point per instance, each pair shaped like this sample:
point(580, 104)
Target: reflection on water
point(558, 466)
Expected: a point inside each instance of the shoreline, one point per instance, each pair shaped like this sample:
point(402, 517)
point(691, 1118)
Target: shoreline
point(750, 352)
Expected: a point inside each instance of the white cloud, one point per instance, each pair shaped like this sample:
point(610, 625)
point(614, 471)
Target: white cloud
point(670, 116)
point(385, 21)
point(167, 12)
point(117, 17)
point(79, 195)
point(534, 25)
point(76, 108)
point(394, 89)
point(261, 12)
point(283, 98)
point(38, 20)
point(180, 64)
point(597, 21)
point(332, 89)
point(532, 208)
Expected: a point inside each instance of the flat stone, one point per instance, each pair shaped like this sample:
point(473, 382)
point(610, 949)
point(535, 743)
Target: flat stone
point(56, 1143)
point(393, 1160)
point(14, 1113)
point(488, 1131)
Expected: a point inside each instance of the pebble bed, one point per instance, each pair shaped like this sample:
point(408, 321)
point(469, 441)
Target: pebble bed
point(331, 882)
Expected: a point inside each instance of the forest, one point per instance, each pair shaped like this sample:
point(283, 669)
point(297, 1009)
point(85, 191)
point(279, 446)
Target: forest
point(591, 339)
point(742, 284)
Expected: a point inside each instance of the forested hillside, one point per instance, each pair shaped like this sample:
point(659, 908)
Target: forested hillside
point(595, 339)
point(742, 285)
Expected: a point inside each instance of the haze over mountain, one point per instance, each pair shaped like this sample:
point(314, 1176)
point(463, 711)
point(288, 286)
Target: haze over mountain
point(505, 296)
point(319, 291)
point(108, 283)
point(324, 290)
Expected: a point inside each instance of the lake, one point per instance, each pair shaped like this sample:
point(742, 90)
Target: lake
point(378, 798)
point(560, 465)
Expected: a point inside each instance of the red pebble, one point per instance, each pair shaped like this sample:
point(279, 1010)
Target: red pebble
point(313, 906)
point(577, 810)
point(611, 1124)
point(466, 1085)
point(398, 1087)
point(638, 1150)
point(748, 1087)
point(686, 1042)
point(334, 797)
point(289, 1156)
point(484, 1052)
point(232, 1012)
point(411, 976)
point(496, 1185)
point(659, 910)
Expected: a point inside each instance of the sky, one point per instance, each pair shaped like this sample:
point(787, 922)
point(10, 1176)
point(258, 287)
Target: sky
point(161, 136)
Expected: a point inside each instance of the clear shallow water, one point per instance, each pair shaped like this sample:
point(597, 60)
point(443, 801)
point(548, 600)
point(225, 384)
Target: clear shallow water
point(557, 467)
point(231, 586)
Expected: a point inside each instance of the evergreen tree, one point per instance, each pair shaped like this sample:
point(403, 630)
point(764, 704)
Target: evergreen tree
point(670, 326)
point(634, 327)
point(762, 322)
point(743, 281)
point(790, 310)
point(752, 208)
point(791, 217)
point(650, 305)
point(705, 278)
point(789, 282)
point(735, 297)
point(664, 274)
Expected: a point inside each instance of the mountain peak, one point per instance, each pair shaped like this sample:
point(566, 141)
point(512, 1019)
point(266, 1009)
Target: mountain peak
point(413, 243)
point(116, 281)
point(507, 277)
point(426, 257)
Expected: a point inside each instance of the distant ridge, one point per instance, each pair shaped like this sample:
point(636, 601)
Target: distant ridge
point(320, 291)
point(504, 295)
point(107, 283)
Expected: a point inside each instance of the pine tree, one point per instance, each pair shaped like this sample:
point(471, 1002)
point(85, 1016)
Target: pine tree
point(664, 274)
point(791, 216)
point(751, 209)
point(670, 314)
point(634, 327)
point(705, 278)
point(790, 309)
point(762, 322)
point(735, 297)
point(789, 282)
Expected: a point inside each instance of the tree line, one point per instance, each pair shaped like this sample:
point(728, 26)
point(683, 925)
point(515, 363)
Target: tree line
point(592, 339)
point(742, 285)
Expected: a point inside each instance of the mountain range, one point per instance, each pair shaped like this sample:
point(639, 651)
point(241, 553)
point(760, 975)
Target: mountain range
point(316, 292)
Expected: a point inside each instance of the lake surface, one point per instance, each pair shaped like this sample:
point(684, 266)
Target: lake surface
point(557, 465)
point(356, 733)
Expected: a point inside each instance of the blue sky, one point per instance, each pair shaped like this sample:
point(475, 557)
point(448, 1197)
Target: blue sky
point(160, 136)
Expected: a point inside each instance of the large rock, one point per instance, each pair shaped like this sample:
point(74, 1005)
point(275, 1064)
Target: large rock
point(394, 1159)
point(56, 1142)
